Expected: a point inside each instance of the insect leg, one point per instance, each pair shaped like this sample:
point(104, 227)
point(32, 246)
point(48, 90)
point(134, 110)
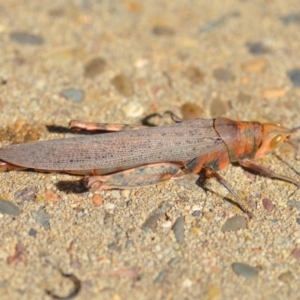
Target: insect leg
point(4, 166)
point(137, 177)
point(210, 173)
point(174, 118)
point(94, 127)
point(266, 172)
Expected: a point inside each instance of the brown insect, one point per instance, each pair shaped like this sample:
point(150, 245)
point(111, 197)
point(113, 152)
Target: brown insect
point(134, 156)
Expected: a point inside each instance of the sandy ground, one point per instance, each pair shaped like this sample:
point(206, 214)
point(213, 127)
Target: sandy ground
point(119, 61)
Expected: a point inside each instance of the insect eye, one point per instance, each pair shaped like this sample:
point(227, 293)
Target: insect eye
point(276, 141)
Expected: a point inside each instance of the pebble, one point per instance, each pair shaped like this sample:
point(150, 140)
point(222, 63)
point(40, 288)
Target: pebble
point(257, 65)
point(213, 292)
point(97, 200)
point(273, 93)
point(51, 196)
point(32, 232)
point(296, 253)
point(72, 94)
point(257, 48)
point(298, 221)
point(294, 76)
point(292, 18)
point(163, 30)
point(42, 217)
point(174, 261)
point(133, 110)
point(94, 67)
point(26, 194)
point(190, 111)
point(109, 206)
point(286, 277)
point(9, 208)
point(223, 75)
point(244, 270)
point(235, 223)
point(160, 277)
point(123, 85)
point(23, 37)
point(178, 229)
point(268, 205)
point(150, 223)
point(194, 74)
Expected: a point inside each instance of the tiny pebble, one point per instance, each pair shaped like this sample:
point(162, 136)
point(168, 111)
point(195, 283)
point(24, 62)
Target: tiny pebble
point(298, 221)
point(160, 277)
point(32, 232)
point(292, 18)
point(294, 76)
point(254, 66)
point(194, 74)
point(23, 37)
point(42, 217)
point(9, 208)
point(174, 261)
point(26, 194)
point(94, 67)
point(97, 200)
point(109, 206)
point(223, 75)
point(244, 270)
point(178, 229)
point(257, 48)
point(51, 196)
point(162, 30)
point(190, 111)
point(296, 253)
point(150, 223)
point(213, 292)
point(123, 85)
point(187, 283)
point(286, 277)
point(268, 205)
point(273, 93)
point(133, 110)
point(235, 223)
point(72, 94)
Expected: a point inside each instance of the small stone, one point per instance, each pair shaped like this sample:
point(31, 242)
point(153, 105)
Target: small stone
point(273, 93)
point(296, 253)
point(194, 74)
point(254, 66)
point(94, 67)
point(8, 208)
point(97, 200)
point(150, 223)
point(163, 30)
point(133, 110)
point(286, 277)
point(123, 85)
point(160, 277)
point(23, 37)
point(32, 232)
point(72, 94)
point(244, 270)
point(257, 48)
point(42, 217)
point(268, 205)
point(109, 206)
point(51, 196)
point(294, 76)
point(235, 223)
point(298, 221)
point(223, 75)
point(178, 229)
point(292, 18)
point(190, 111)
point(213, 292)
point(174, 261)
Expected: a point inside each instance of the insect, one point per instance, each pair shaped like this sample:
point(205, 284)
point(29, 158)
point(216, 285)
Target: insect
point(134, 156)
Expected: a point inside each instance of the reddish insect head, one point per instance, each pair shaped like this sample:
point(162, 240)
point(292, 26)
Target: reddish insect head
point(272, 137)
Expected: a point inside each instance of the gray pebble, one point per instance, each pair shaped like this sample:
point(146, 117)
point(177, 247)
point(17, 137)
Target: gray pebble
point(178, 229)
point(294, 76)
point(72, 94)
point(42, 217)
point(23, 37)
point(244, 270)
point(8, 208)
point(235, 223)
